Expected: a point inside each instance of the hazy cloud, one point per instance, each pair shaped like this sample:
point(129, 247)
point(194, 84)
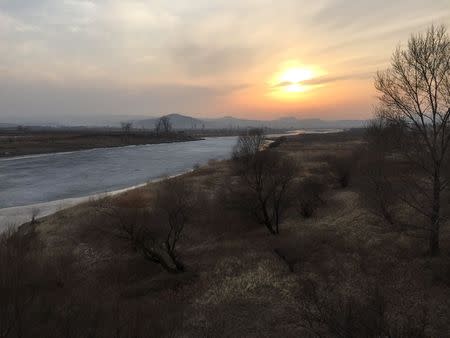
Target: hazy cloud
point(213, 60)
point(322, 80)
point(71, 100)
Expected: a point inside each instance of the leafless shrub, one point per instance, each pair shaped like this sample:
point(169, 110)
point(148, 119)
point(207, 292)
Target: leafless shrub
point(136, 227)
point(34, 214)
point(309, 196)
point(176, 202)
point(328, 311)
point(249, 144)
point(378, 193)
point(264, 181)
point(48, 294)
point(342, 167)
point(377, 170)
point(154, 232)
point(126, 127)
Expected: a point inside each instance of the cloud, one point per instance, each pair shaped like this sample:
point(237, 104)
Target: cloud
point(323, 80)
point(47, 99)
point(344, 15)
point(213, 60)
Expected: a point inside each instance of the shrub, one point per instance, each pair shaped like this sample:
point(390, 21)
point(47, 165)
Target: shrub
point(249, 144)
point(263, 187)
point(154, 232)
point(342, 167)
point(328, 310)
point(309, 196)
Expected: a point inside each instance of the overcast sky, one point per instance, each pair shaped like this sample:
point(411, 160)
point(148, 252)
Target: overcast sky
point(70, 59)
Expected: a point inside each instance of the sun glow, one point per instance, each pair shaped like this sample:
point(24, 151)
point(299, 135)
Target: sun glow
point(288, 83)
point(296, 75)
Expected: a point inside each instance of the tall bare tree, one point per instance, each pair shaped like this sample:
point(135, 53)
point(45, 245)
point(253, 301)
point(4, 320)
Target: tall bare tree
point(163, 125)
point(126, 126)
point(415, 93)
point(264, 182)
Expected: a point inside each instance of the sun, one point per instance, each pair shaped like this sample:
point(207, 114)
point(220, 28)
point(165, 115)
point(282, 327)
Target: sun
point(291, 78)
point(288, 82)
point(296, 75)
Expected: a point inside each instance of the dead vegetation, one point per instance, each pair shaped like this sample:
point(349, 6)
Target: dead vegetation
point(26, 142)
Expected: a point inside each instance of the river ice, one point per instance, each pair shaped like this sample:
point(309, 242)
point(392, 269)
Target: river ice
point(53, 181)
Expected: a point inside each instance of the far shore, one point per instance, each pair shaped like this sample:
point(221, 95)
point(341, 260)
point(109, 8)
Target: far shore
point(25, 142)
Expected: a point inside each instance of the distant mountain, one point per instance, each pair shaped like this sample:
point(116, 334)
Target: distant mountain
point(292, 122)
point(228, 122)
point(7, 125)
point(184, 122)
point(178, 122)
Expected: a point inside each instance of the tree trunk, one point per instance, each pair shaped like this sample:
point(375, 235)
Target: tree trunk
point(178, 264)
point(277, 218)
point(267, 221)
point(270, 227)
point(435, 216)
point(166, 262)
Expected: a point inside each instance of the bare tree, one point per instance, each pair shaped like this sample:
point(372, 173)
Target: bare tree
point(136, 227)
point(415, 93)
point(249, 143)
point(378, 171)
point(163, 125)
point(126, 127)
point(175, 203)
point(264, 181)
point(154, 232)
point(34, 214)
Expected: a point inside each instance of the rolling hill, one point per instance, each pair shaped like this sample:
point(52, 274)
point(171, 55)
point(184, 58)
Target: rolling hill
point(228, 122)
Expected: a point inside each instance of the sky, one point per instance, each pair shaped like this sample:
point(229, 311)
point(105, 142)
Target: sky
point(69, 60)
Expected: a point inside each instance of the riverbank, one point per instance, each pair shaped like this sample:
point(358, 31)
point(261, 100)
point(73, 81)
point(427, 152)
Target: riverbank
point(23, 142)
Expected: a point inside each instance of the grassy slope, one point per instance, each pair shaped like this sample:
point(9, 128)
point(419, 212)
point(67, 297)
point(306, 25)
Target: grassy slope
point(235, 284)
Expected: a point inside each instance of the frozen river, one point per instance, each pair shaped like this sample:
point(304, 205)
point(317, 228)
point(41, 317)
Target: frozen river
point(66, 178)
point(50, 182)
